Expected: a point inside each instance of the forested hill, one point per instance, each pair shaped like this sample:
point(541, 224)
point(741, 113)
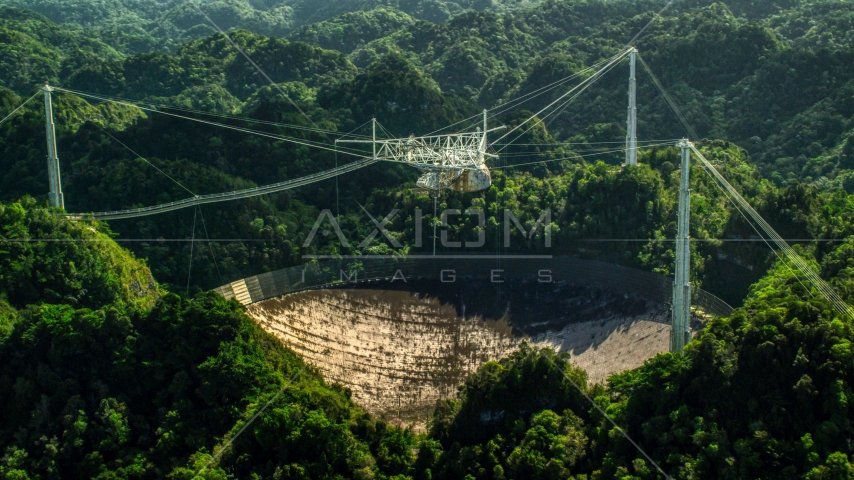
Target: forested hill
point(772, 76)
point(145, 24)
point(106, 373)
point(755, 74)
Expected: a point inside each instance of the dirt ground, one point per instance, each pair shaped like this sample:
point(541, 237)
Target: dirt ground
point(400, 351)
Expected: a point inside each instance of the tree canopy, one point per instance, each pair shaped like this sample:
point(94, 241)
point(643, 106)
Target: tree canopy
point(106, 373)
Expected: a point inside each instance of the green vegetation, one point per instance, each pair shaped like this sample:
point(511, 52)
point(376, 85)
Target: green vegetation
point(148, 384)
point(45, 259)
point(752, 74)
point(34, 50)
point(347, 32)
point(417, 76)
point(763, 394)
point(143, 25)
point(106, 374)
point(103, 378)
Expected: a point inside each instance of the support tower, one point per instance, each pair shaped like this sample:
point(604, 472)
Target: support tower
point(632, 122)
point(680, 332)
point(54, 180)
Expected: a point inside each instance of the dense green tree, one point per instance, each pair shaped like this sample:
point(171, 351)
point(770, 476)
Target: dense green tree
point(762, 394)
point(45, 259)
point(91, 387)
point(123, 383)
point(349, 31)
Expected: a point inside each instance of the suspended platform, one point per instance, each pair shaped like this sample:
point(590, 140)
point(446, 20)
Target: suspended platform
point(455, 161)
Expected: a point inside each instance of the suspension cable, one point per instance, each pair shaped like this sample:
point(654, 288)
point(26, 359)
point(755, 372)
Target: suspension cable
point(752, 226)
point(590, 143)
point(582, 86)
point(576, 156)
point(262, 72)
point(7, 117)
point(608, 417)
point(337, 194)
point(106, 97)
point(670, 102)
point(822, 286)
point(536, 93)
point(308, 143)
point(524, 98)
point(131, 150)
point(227, 196)
point(192, 243)
point(210, 247)
point(652, 20)
point(589, 80)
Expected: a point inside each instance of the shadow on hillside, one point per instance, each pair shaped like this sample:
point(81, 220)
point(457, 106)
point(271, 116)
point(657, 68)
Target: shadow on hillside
point(531, 308)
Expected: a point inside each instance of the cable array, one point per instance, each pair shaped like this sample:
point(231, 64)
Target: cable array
point(218, 453)
point(654, 18)
point(521, 99)
point(298, 141)
point(744, 208)
point(582, 86)
point(515, 102)
point(118, 99)
point(258, 68)
point(577, 156)
point(227, 196)
point(670, 102)
point(132, 151)
point(820, 285)
point(7, 117)
point(201, 199)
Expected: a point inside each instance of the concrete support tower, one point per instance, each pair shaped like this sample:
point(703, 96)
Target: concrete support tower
point(482, 146)
point(680, 332)
point(55, 196)
point(632, 122)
